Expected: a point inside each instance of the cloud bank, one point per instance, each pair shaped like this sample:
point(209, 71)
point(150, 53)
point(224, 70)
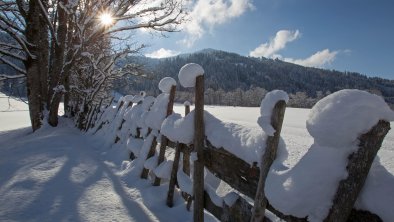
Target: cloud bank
point(275, 44)
point(162, 53)
point(319, 59)
point(206, 14)
point(271, 48)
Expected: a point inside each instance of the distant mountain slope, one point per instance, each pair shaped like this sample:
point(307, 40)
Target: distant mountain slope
point(229, 71)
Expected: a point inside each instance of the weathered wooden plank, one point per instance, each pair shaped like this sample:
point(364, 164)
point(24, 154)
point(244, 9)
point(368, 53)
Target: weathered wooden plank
point(186, 162)
point(211, 207)
point(164, 139)
point(241, 210)
point(237, 173)
point(199, 134)
point(358, 167)
point(268, 158)
point(173, 179)
point(120, 106)
point(186, 150)
point(288, 218)
point(363, 216)
point(152, 150)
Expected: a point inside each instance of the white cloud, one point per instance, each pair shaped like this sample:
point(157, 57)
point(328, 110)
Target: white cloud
point(269, 49)
point(209, 13)
point(162, 53)
point(319, 59)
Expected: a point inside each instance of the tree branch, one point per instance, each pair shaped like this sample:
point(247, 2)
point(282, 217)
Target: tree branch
point(12, 65)
point(45, 14)
point(10, 54)
point(5, 76)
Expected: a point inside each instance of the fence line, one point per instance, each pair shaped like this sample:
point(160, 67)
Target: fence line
point(245, 178)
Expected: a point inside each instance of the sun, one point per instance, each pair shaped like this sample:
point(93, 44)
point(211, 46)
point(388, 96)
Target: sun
point(106, 19)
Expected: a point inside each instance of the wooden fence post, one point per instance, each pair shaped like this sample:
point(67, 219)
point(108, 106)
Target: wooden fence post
point(186, 168)
point(174, 171)
point(164, 139)
point(199, 128)
point(186, 150)
point(358, 167)
point(145, 172)
point(260, 201)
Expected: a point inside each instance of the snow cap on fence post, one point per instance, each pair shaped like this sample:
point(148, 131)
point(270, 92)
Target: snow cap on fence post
point(266, 107)
point(340, 118)
point(188, 74)
point(166, 83)
point(139, 98)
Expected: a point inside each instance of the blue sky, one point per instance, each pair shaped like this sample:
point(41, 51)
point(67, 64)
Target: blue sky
point(346, 35)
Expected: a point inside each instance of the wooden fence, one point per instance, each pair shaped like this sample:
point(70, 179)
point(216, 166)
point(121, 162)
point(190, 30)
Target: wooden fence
point(248, 179)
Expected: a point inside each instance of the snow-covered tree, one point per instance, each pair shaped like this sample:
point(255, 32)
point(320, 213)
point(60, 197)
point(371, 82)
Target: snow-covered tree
point(50, 38)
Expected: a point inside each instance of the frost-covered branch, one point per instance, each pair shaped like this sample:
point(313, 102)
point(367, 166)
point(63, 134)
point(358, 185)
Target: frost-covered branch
point(16, 37)
point(12, 65)
point(10, 24)
point(5, 76)
point(10, 46)
point(47, 20)
point(11, 54)
point(140, 13)
point(158, 24)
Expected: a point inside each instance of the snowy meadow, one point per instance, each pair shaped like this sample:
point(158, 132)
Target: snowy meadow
point(62, 174)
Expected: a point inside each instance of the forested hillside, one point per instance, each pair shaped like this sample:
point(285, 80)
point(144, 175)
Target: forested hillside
point(232, 79)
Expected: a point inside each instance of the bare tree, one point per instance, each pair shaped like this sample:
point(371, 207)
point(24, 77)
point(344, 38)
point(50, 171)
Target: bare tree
point(62, 41)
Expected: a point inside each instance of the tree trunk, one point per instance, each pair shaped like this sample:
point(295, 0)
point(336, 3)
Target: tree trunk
point(43, 56)
point(32, 65)
point(58, 69)
point(67, 108)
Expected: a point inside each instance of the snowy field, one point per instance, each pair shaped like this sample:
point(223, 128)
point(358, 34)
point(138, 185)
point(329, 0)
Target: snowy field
point(59, 174)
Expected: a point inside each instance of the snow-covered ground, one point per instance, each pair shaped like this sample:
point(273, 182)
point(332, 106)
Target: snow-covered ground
point(14, 113)
point(59, 174)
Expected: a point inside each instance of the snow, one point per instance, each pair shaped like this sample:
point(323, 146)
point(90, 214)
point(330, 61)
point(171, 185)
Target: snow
point(157, 112)
point(335, 123)
point(135, 117)
point(55, 175)
point(193, 156)
point(267, 105)
point(58, 174)
point(134, 145)
point(188, 74)
point(179, 129)
point(231, 198)
point(247, 143)
point(151, 163)
point(164, 169)
point(308, 188)
point(128, 98)
point(185, 183)
point(338, 119)
point(166, 84)
point(14, 114)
